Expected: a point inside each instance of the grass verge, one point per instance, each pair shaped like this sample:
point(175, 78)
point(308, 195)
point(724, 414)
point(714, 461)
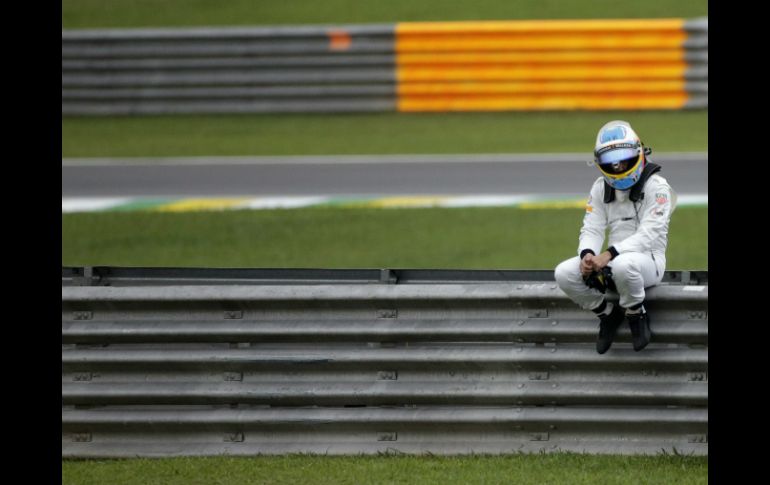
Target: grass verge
point(380, 133)
point(459, 238)
point(148, 13)
point(522, 469)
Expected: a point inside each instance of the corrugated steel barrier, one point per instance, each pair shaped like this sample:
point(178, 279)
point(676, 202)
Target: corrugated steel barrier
point(168, 361)
point(410, 66)
point(555, 64)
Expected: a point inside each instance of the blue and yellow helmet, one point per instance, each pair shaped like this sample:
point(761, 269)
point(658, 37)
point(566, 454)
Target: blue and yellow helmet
point(619, 154)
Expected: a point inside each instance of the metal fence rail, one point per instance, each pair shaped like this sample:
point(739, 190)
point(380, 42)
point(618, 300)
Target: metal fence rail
point(228, 70)
point(554, 64)
point(162, 362)
point(409, 66)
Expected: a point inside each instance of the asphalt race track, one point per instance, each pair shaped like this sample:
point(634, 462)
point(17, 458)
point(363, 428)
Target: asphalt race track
point(566, 174)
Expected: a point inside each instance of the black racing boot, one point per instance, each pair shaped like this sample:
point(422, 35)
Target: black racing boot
point(608, 327)
point(640, 329)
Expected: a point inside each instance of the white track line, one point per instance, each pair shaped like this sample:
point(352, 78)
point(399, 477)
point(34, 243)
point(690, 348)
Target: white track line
point(366, 159)
point(85, 204)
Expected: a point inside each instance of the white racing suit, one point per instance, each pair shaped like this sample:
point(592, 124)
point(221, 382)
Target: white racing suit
point(638, 238)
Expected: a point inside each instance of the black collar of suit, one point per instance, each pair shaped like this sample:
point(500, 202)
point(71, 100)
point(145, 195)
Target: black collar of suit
point(636, 190)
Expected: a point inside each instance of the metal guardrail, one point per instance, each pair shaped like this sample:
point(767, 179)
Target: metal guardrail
point(553, 64)
point(223, 70)
point(194, 361)
point(411, 66)
point(154, 276)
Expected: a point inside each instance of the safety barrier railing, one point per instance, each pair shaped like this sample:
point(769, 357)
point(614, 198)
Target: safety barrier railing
point(195, 361)
point(410, 66)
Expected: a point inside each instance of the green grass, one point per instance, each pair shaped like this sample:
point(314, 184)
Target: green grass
point(521, 469)
point(462, 238)
point(144, 13)
point(382, 133)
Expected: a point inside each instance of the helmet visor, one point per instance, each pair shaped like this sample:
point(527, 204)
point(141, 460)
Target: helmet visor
point(621, 166)
point(616, 155)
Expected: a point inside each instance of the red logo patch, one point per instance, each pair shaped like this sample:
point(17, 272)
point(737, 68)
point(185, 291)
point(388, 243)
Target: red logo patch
point(661, 198)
